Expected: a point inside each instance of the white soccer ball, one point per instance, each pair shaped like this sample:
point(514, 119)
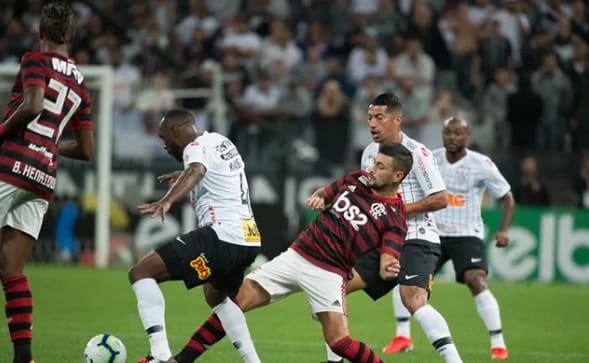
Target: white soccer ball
point(105, 348)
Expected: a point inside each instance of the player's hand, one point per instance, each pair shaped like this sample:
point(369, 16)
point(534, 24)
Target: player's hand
point(171, 177)
point(315, 203)
point(501, 239)
point(391, 269)
point(159, 208)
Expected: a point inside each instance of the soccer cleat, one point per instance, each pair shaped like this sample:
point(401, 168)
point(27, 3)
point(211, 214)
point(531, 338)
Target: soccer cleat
point(150, 359)
point(399, 344)
point(499, 353)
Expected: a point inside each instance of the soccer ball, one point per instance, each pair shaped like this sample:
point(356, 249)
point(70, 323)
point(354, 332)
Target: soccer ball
point(105, 348)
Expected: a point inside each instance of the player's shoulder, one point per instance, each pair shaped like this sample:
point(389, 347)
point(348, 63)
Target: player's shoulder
point(358, 175)
point(477, 157)
point(416, 147)
point(371, 147)
point(33, 55)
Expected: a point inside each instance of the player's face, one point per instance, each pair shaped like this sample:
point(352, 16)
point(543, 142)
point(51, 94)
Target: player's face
point(169, 143)
point(455, 136)
point(382, 175)
point(384, 125)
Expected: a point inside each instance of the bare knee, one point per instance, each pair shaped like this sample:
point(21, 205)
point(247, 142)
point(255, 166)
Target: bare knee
point(476, 280)
point(150, 266)
point(251, 295)
point(335, 326)
point(213, 297)
point(413, 297)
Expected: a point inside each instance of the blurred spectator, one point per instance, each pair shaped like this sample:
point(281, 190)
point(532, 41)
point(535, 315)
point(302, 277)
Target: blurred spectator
point(481, 12)
point(331, 121)
point(316, 38)
point(386, 22)
point(16, 42)
point(233, 71)
point(515, 26)
point(524, 110)
point(494, 108)
point(530, 190)
point(312, 70)
point(413, 61)
point(241, 38)
point(359, 128)
point(198, 17)
point(580, 20)
point(581, 183)
point(577, 69)
point(554, 88)
point(365, 60)
point(416, 103)
point(444, 107)
point(494, 53)
point(279, 46)
point(536, 47)
point(262, 96)
point(424, 25)
point(364, 7)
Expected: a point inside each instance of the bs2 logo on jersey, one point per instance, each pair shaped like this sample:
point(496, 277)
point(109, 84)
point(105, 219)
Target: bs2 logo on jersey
point(200, 266)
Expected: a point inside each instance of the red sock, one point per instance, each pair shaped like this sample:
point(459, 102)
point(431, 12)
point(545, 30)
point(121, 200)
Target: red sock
point(355, 351)
point(205, 336)
point(19, 313)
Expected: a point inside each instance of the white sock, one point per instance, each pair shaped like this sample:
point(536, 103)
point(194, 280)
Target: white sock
point(435, 328)
point(331, 356)
point(152, 309)
point(233, 321)
point(402, 314)
point(488, 309)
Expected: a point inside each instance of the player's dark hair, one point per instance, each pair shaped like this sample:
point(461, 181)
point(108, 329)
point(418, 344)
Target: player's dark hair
point(57, 22)
point(403, 159)
point(178, 117)
point(387, 99)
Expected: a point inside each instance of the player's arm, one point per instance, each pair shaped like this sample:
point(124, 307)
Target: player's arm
point(430, 180)
point(30, 107)
point(390, 251)
point(318, 200)
point(192, 175)
point(501, 237)
point(324, 195)
point(81, 148)
point(389, 266)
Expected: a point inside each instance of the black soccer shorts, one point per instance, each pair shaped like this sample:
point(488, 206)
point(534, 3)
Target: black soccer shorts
point(466, 253)
point(198, 257)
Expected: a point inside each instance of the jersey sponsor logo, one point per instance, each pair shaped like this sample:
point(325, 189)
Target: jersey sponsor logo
point(351, 213)
point(456, 200)
point(251, 233)
point(377, 210)
point(424, 152)
point(199, 264)
point(410, 277)
point(424, 172)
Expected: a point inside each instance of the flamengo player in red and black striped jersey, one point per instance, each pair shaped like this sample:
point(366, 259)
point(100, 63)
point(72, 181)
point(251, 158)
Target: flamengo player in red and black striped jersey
point(366, 213)
point(48, 94)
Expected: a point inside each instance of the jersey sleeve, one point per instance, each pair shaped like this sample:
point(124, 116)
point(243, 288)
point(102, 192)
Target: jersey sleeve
point(494, 180)
point(31, 70)
point(356, 178)
point(367, 157)
point(195, 153)
point(393, 240)
point(83, 118)
point(426, 171)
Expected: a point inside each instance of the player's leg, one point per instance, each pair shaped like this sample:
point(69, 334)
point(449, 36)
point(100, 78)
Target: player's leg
point(21, 217)
point(418, 263)
point(267, 283)
point(144, 277)
point(226, 284)
point(470, 262)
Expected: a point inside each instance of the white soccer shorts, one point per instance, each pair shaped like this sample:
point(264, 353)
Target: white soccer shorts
point(21, 209)
point(290, 272)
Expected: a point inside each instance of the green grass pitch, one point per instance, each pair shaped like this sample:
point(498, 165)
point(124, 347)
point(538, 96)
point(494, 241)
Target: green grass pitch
point(542, 323)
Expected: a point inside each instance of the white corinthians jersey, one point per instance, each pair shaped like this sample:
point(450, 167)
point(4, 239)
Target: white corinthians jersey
point(466, 180)
point(423, 179)
point(221, 198)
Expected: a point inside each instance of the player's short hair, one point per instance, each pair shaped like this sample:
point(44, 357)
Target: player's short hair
point(462, 121)
point(177, 117)
point(403, 159)
point(388, 99)
point(57, 22)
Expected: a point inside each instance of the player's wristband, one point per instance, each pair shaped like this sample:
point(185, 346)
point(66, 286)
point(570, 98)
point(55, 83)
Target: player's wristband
point(2, 130)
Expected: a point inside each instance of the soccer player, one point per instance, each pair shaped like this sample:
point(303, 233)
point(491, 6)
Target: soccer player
point(365, 214)
point(48, 94)
point(217, 253)
point(423, 192)
point(467, 174)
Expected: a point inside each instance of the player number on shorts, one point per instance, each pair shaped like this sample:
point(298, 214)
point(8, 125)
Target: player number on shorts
point(56, 107)
point(350, 212)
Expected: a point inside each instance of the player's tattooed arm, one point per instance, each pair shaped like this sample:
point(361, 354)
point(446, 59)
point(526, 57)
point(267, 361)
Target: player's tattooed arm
point(501, 237)
point(429, 203)
point(187, 180)
point(29, 108)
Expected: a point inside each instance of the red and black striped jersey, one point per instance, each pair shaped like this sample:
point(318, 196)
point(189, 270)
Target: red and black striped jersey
point(356, 222)
point(28, 157)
